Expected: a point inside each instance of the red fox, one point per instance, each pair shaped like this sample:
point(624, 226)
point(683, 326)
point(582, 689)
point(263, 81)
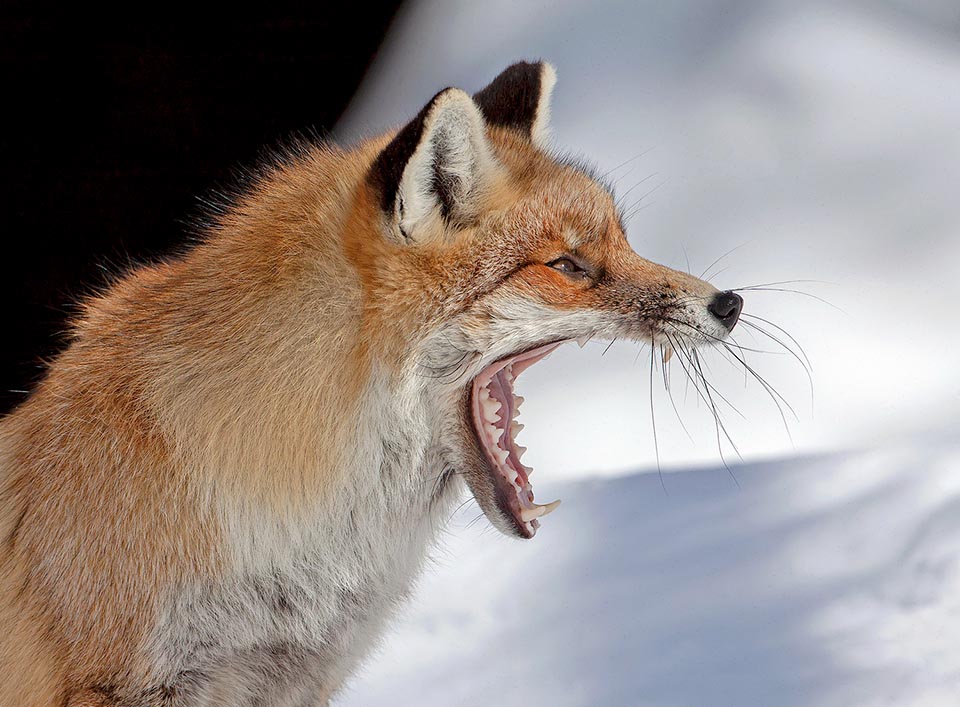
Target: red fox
point(229, 480)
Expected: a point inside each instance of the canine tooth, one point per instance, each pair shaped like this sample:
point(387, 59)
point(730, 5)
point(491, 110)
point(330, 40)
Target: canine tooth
point(550, 507)
point(538, 511)
point(667, 354)
point(528, 514)
point(582, 341)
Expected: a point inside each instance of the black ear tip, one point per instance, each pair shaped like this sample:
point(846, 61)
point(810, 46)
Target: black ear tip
point(516, 96)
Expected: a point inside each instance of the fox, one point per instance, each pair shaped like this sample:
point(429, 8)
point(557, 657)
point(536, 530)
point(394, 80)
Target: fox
point(226, 485)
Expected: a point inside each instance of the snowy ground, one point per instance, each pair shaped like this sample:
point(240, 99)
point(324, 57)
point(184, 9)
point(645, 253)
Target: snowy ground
point(819, 581)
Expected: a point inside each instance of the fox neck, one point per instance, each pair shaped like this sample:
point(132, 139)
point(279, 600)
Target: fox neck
point(387, 482)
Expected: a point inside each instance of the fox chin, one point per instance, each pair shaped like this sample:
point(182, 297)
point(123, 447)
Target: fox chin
point(226, 484)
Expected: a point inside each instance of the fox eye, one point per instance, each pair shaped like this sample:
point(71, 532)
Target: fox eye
point(566, 265)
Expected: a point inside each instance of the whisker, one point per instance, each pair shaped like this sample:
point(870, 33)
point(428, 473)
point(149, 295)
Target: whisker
point(653, 422)
point(772, 392)
point(782, 331)
point(673, 403)
point(474, 521)
point(806, 367)
point(703, 275)
point(717, 421)
point(790, 282)
point(708, 335)
point(795, 292)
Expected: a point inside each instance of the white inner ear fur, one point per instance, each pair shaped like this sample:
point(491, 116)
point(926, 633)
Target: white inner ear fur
point(454, 142)
point(540, 131)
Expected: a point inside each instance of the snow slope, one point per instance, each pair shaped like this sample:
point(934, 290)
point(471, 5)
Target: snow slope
point(821, 581)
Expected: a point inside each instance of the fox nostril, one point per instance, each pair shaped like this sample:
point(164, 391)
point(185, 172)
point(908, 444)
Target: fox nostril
point(726, 307)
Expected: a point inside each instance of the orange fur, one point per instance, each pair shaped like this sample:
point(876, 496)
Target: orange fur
point(199, 392)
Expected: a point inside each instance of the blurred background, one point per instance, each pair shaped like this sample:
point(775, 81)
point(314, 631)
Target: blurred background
point(813, 144)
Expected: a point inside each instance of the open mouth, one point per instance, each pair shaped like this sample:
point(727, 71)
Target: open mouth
point(494, 408)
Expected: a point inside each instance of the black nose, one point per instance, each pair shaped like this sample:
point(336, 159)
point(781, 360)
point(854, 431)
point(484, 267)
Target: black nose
point(726, 307)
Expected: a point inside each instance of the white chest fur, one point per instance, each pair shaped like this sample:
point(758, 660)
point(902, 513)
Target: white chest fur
point(308, 596)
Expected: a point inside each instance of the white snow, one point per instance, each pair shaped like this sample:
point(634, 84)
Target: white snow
point(829, 580)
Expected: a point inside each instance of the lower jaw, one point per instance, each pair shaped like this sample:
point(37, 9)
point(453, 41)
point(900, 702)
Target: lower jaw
point(492, 406)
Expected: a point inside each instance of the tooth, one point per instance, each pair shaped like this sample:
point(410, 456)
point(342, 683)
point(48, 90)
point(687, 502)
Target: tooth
point(519, 449)
point(582, 341)
point(501, 454)
point(518, 401)
point(484, 394)
point(527, 469)
point(667, 354)
point(493, 433)
point(515, 428)
point(528, 514)
point(490, 409)
point(511, 476)
point(538, 511)
point(550, 507)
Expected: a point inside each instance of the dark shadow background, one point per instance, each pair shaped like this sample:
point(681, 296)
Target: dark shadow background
point(113, 125)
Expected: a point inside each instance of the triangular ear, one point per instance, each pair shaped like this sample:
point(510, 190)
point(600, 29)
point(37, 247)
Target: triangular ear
point(434, 168)
point(519, 98)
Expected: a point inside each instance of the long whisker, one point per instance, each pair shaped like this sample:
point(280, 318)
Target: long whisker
point(771, 391)
point(673, 403)
point(703, 275)
point(717, 420)
point(653, 422)
point(720, 426)
point(710, 336)
point(795, 292)
point(782, 331)
point(789, 282)
point(806, 367)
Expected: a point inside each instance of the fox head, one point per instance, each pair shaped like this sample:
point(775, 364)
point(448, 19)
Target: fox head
point(481, 251)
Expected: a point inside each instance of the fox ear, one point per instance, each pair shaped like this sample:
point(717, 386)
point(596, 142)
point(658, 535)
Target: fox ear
point(434, 168)
point(519, 98)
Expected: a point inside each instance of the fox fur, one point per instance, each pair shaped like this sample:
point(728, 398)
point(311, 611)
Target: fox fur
point(227, 483)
